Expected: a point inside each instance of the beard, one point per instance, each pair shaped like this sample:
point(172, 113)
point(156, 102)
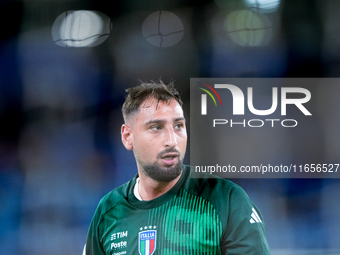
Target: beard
point(163, 174)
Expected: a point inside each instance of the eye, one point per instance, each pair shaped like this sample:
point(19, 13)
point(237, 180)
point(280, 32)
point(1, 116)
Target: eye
point(179, 125)
point(156, 127)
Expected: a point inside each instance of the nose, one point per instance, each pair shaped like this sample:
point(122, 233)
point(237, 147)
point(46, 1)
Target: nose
point(170, 139)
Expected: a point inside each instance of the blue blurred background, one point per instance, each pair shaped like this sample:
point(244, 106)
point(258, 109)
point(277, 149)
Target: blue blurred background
point(64, 66)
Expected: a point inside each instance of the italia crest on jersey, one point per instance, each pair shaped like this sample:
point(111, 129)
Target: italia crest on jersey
point(147, 242)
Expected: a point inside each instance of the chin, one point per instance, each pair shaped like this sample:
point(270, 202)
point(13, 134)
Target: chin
point(163, 174)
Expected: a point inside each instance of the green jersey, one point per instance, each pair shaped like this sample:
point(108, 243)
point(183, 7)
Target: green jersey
point(207, 215)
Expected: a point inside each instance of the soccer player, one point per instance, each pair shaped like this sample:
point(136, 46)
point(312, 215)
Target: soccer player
point(163, 210)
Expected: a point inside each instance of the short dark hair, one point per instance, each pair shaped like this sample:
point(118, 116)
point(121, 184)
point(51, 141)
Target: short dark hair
point(158, 90)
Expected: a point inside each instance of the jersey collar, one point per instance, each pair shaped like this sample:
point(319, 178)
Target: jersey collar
point(161, 199)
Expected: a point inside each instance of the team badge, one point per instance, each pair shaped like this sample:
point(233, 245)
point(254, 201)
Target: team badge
point(147, 240)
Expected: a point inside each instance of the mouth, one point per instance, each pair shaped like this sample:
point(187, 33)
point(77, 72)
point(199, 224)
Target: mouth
point(169, 158)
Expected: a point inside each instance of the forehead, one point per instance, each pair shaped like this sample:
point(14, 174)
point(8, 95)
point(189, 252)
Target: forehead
point(151, 108)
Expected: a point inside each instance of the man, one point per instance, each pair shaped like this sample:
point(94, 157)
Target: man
point(163, 210)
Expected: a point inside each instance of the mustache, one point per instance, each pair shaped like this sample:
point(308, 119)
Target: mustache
point(169, 150)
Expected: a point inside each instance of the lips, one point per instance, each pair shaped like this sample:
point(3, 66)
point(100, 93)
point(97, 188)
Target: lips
point(169, 158)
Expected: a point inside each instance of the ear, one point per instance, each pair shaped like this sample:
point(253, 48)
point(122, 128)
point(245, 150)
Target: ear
point(127, 137)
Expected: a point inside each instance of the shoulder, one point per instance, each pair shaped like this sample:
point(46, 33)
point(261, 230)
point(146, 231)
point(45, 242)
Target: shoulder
point(226, 196)
point(206, 183)
point(112, 199)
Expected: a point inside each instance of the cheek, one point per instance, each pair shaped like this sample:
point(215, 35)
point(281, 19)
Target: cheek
point(144, 140)
point(144, 146)
point(183, 142)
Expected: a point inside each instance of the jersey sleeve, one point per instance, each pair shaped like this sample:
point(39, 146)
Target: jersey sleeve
point(93, 244)
point(245, 229)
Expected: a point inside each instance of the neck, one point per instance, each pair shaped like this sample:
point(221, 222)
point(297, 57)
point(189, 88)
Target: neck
point(150, 189)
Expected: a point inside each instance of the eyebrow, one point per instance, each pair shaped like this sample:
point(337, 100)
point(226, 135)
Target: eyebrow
point(157, 121)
